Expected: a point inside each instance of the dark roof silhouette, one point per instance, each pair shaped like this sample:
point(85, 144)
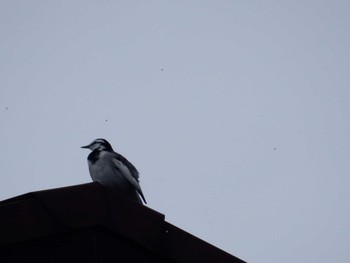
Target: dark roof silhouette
point(84, 223)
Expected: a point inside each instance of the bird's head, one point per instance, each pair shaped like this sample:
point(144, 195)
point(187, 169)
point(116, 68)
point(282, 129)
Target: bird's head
point(99, 145)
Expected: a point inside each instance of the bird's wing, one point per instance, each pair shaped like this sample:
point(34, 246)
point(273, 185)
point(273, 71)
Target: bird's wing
point(128, 164)
point(129, 171)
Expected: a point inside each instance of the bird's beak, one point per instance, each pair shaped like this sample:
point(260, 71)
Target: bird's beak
point(86, 147)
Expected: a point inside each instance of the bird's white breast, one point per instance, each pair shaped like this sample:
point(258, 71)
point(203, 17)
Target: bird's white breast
point(105, 172)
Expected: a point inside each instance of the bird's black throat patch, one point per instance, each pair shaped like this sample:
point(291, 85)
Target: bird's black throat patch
point(94, 156)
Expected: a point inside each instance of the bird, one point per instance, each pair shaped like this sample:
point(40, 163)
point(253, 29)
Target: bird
point(113, 170)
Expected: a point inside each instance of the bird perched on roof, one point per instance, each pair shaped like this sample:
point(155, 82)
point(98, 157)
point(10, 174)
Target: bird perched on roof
point(113, 170)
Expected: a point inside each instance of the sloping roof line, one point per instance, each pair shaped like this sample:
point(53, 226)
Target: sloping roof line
point(60, 210)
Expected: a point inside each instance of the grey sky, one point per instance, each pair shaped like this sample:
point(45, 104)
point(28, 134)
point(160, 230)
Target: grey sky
point(236, 113)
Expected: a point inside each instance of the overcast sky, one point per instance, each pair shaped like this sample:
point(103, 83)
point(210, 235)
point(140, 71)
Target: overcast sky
point(236, 113)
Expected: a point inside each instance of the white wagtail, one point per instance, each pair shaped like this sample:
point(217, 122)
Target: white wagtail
point(113, 170)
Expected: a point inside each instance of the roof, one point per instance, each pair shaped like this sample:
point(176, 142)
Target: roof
point(88, 221)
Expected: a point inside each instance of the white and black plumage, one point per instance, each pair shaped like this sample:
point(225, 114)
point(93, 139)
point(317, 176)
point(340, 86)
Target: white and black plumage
point(113, 170)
